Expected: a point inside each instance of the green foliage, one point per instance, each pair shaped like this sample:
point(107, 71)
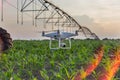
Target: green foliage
point(33, 60)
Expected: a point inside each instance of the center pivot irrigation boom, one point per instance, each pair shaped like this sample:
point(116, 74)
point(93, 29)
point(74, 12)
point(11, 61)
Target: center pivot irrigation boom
point(57, 24)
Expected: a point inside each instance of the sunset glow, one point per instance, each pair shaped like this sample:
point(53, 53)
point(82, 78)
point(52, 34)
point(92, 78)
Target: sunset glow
point(108, 74)
point(91, 66)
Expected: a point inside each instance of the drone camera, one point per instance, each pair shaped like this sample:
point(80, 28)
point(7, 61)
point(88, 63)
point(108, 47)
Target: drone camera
point(63, 45)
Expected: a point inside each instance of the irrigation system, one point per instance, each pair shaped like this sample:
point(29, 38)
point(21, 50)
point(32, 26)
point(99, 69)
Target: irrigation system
point(47, 14)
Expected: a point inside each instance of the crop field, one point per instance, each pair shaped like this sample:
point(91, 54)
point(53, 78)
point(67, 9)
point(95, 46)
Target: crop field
point(33, 60)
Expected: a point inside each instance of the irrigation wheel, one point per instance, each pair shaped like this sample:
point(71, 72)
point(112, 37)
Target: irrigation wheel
point(5, 40)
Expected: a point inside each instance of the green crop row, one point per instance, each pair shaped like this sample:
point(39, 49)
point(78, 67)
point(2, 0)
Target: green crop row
point(33, 60)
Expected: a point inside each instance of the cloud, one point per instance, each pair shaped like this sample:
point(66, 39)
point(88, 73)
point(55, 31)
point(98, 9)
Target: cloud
point(84, 20)
point(102, 29)
point(90, 23)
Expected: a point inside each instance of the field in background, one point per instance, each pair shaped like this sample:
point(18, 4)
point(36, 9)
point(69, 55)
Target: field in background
point(33, 60)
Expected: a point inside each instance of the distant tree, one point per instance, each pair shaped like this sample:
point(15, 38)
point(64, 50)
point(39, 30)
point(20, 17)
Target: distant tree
point(105, 39)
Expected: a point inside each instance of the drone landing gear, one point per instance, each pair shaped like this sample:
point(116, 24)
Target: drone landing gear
point(60, 44)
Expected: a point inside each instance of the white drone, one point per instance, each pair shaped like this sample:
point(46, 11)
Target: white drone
point(60, 36)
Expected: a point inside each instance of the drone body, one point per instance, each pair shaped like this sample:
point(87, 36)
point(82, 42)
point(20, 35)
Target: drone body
point(59, 36)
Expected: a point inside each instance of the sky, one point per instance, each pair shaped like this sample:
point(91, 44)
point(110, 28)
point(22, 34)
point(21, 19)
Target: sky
point(100, 16)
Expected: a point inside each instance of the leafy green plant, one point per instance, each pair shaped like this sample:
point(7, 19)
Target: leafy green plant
point(33, 60)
